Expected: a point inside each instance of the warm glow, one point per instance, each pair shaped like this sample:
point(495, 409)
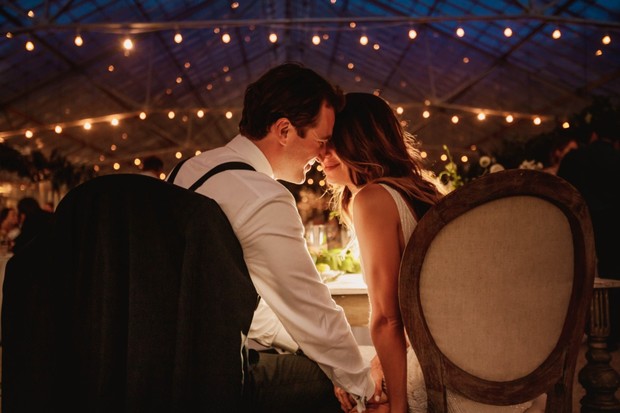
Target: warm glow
point(310, 181)
point(507, 32)
point(114, 122)
point(350, 66)
point(364, 40)
point(87, 126)
point(128, 44)
point(162, 176)
point(137, 161)
point(117, 166)
point(455, 119)
point(58, 129)
point(423, 154)
point(316, 40)
point(111, 68)
point(96, 168)
point(142, 115)
point(376, 46)
point(556, 34)
point(113, 147)
point(464, 158)
point(319, 168)
point(273, 37)
point(178, 155)
point(178, 38)
point(413, 34)
point(537, 121)
point(482, 116)
point(179, 79)
point(101, 158)
point(171, 115)
point(29, 46)
point(30, 13)
point(400, 110)
point(509, 118)
point(473, 147)
point(234, 5)
point(443, 157)
point(426, 114)
point(78, 40)
point(466, 60)
point(29, 134)
point(460, 32)
point(200, 113)
point(565, 125)
point(198, 152)
point(599, 52)
point(322, 182)
point(352, 25)
point(226, 38)
point(606, 40)
point(229, 115)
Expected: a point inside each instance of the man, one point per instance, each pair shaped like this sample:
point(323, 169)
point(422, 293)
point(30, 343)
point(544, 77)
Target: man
point(287, 119)
point(152, 166)
point(33, 220)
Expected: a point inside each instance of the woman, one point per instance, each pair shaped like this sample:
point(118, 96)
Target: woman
point(380, 187)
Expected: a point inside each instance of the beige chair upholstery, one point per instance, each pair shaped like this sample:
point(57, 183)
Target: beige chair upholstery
point(494, 288)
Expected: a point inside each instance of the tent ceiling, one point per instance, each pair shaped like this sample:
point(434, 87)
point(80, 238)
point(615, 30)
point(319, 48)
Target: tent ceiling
point(527, 74)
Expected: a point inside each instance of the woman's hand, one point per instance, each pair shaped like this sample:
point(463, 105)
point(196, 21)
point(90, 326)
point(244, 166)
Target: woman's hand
point(376, 372)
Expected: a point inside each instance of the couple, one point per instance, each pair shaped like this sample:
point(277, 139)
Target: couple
point(291, 118)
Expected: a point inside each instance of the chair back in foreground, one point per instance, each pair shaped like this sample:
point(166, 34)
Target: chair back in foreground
point(136, 300)
point(494, 288)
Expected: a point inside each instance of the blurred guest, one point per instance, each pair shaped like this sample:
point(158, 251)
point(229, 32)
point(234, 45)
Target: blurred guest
point(48, 206)
point(152, 166)
point(559, 148)
point(595, 171)
point(33, 220)
point(9, 227)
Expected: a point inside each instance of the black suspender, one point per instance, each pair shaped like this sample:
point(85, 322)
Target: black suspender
point(220, 168)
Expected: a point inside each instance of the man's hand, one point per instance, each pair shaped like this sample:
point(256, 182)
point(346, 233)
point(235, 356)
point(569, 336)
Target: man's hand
point(347, 403)
point(376, 372)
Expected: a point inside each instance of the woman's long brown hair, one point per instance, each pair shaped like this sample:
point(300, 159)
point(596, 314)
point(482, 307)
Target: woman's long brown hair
point(369, 139)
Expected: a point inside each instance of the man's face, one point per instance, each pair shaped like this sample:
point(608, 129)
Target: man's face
point(303, 152)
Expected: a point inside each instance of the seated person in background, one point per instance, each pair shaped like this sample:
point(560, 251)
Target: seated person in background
point(9, 227)
point(380, 187)
point(152, 166)
point(33, 220)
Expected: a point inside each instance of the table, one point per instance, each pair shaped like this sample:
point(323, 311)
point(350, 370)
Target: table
point(351, 293)
point(598, 378)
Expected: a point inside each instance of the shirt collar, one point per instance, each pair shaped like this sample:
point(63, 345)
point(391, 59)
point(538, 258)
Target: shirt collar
point(249, 151)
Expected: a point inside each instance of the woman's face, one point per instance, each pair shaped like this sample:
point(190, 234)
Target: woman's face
point(335, 171)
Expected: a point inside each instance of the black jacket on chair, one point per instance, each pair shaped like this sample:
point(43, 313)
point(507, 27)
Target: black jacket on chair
point(135, 300)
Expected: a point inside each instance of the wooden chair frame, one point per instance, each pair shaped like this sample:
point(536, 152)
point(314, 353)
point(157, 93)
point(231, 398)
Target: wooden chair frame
point(555, 375)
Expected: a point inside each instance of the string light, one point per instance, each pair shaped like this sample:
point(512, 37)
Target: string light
point(87, 126)
point(111, 68)
point(229, 115)
point(171, 115)
point(352, 25)
point(455, 119)
point(316, 40)
point(423, 154)
point(350, 66)
point(376, 46)
point(30, 13)
point(273, 38)
point(481, 116)
point(29, 134)
point(565, 125)
point(537, 121)
point(142, 115)
point(114, 122)
point(226, 38)
point(460, 32)
point(464, 158)
point(400, 110)
point(606, 39)
point(29, 46)
point(200, 113)
point(137, 161)
point(413, 34)
point(509, 118)
point(234, 5)
point(178, 155)
point(556, 34)
point(507, 32)
point(198, 152)
point(128, 43)
point(58, 129)
point(78, 40)
point(112, 147)
point(426, 114)
point(178, 38)
point(443, 157)
point(364, 40)
point(117, 166)
point(599, 52)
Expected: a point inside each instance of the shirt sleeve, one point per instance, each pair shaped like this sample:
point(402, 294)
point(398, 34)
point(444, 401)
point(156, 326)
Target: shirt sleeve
point(268, 331)
point(272, 237)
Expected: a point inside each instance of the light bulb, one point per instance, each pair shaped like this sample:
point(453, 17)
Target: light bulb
point(78, 40)
point(413, 34)
point(178, 38)
point(364, 40)
point(128, 44)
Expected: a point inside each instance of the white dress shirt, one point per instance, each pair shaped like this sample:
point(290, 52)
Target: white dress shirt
point(264, 216)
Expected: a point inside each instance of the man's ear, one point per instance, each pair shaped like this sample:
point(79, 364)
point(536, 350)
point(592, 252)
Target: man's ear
point(281, 128)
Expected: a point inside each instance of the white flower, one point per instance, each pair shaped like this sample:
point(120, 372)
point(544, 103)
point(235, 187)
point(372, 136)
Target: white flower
point(496, 167)
point(531, 165)
point(484, 161)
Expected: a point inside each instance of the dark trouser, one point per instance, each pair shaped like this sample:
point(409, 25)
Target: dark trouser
point(287, 383)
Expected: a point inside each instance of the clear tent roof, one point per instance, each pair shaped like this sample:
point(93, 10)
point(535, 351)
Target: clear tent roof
point(415, 58)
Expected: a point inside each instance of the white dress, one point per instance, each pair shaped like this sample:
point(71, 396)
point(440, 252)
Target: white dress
point(416, 391)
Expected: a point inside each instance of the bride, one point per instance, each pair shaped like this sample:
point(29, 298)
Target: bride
point(380, 188)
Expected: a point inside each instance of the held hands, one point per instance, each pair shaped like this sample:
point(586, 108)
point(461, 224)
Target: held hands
point(379, 401)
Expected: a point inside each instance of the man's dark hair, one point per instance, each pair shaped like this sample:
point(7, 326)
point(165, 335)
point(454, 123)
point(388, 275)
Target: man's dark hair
point(287, 91)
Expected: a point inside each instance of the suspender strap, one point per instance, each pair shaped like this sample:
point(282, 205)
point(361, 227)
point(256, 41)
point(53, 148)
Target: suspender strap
point(175, 171)
point(220, 168)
